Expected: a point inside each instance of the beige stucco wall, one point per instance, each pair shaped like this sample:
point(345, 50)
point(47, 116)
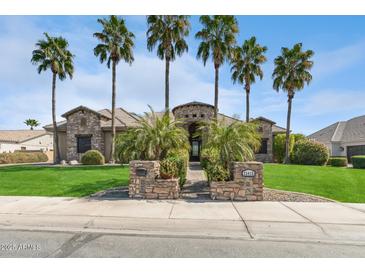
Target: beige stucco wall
point(44, 143)
point(62, 140)
point(107, 146)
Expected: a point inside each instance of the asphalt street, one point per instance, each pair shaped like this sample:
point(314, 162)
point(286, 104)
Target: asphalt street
point(65, 244)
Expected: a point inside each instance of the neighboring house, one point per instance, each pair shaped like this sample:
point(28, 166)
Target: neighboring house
point(13, 140)
point(86, 129)
point(345, 138)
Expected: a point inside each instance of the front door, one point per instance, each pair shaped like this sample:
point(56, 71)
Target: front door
point(195, 150)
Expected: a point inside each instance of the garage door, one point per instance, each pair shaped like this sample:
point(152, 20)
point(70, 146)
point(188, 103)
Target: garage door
point(355, 150)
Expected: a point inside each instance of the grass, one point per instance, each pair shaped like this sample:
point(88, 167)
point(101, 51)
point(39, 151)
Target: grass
point(337, 183)
point(60, 181)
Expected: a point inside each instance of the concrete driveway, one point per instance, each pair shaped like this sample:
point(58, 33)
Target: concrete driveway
point(289, 221)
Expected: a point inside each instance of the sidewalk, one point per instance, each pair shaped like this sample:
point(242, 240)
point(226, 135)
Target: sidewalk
point(289, 221)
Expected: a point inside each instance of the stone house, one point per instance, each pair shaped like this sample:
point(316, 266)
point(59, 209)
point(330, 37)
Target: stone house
point(343, 138)
point(84, 129)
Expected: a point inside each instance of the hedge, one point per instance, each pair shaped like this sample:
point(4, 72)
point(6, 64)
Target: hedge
point(308, 152)
point(279, 146)
point(358, 161)
point(337, 161)
point(22, 157)
point(93, 157)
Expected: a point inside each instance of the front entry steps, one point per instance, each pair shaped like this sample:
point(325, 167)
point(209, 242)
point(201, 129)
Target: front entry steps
point(196, 185)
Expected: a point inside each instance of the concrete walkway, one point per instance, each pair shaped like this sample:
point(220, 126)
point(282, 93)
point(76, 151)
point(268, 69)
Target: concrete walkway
point(196, 185)
point(283, 221)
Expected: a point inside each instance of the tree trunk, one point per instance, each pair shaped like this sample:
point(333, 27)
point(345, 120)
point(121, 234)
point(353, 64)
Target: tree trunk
point(287, 139)
point(56, 146)
point(112, 150)
point(216, 67)
point(247, 103)
point(167, 85)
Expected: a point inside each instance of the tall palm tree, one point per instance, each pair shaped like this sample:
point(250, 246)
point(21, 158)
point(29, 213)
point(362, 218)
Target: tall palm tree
point(246, 65)
point(218, 37)
point(116, 45)
point(32, 123)
point(52, 53)
point(291, 73)
point(167, 32)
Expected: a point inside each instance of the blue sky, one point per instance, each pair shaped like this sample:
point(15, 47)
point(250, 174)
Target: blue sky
point(337, 91)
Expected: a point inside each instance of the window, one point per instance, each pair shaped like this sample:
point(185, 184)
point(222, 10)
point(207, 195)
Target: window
point(186, 116)
point(263, 148)
point(83, 143)
point(202, 115)
point(194, 115)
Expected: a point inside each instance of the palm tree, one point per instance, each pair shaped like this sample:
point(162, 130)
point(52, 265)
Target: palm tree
point(153, 138)
point(246, 62)
point(116, 45)
point(218, 38)
point(234, 142)
point(291, 73)
point(52, 53)
point(167, 32)
point(32, 123)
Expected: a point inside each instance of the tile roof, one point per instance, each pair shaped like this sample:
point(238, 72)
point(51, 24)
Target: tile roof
point(352, 130)
point(19, 136)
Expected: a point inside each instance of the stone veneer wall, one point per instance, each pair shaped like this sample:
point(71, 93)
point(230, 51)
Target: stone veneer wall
point(187, 113)
point(149, 186)
point(266, 134)
point(83, 123)
point(240, 188)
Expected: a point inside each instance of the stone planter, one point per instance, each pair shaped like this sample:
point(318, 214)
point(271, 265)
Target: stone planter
point(246, 185)
point(144, 182)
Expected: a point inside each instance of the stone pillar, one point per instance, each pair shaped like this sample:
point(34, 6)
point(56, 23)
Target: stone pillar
point(246, 185)
point(144, 182)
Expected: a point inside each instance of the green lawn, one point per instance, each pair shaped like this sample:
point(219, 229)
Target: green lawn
point(341, 184)
point(60, 181)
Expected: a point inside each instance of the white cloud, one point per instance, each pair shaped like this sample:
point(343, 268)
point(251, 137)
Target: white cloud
point(330, 62)
point(326, 102)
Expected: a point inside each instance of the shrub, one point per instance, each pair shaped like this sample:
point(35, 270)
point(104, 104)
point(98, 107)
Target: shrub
point(152, 138)
point(92, 157)
point(208, 155)
point(358, 161)
point(308, 152)
point(169, 168)
point(279, 146)
point(337, 161)
point(22, 157)
point(234, 142)
point(181, 156)
point(298, 137)
point(217, 172)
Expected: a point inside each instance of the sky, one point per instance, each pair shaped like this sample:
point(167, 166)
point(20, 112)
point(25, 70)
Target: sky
point(336, 93)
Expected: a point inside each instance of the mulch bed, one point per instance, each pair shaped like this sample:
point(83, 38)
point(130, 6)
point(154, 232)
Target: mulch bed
point(288, 196)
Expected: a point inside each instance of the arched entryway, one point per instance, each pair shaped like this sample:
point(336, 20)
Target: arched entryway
point(195, 143)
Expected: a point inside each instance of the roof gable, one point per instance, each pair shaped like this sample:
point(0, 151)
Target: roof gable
point(83, 108)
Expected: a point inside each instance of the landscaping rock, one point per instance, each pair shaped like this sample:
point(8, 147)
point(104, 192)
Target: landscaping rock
point(73, 162)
